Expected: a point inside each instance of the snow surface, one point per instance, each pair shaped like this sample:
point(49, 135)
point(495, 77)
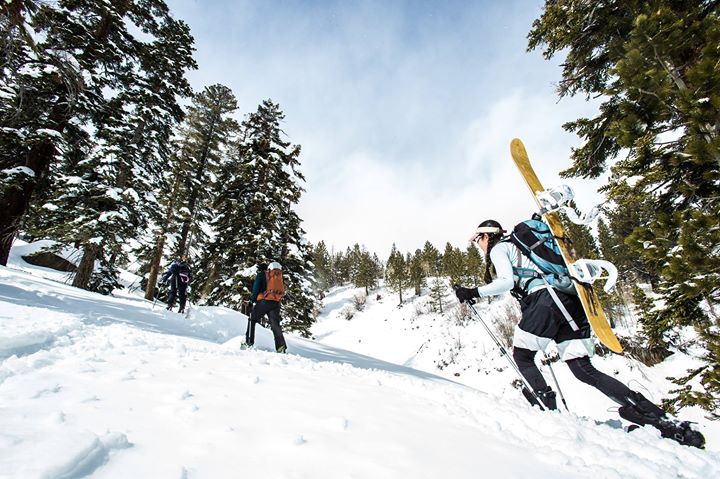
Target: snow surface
point(116, 387)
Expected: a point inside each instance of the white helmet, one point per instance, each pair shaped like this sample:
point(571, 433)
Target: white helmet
point(274, 265)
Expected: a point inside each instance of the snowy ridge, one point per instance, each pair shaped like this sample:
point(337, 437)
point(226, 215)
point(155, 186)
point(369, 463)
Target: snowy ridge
point(109, 387)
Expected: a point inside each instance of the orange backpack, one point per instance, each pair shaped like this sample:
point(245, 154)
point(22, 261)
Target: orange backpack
point(275, 288)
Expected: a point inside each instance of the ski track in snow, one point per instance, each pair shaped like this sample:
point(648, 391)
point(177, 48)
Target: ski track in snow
point(109, 387)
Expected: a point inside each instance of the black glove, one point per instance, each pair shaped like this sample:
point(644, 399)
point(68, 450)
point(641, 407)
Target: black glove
point(466, 295)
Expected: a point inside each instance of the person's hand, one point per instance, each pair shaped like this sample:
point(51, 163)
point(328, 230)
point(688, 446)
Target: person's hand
point(466, 295)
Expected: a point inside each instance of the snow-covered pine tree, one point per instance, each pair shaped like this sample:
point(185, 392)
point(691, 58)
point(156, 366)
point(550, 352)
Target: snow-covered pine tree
point(655, 64)
point(75, 57)
point(208, 131)
point(105, 193)
point(256, 222)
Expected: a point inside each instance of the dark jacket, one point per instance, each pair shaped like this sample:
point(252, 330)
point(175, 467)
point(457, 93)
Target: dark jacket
point(259, 286)
point(180, 271)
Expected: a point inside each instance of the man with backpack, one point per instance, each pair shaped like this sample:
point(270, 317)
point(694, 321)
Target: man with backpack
point(178, 276)
point(552, 312)
point(268, 302)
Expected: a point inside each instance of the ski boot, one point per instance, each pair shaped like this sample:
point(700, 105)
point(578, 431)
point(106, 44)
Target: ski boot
point(282, 349)
point(547, 396)
point(639, 410)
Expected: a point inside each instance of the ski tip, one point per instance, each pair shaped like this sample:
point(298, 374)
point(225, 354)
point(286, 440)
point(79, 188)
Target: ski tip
point(517, 148)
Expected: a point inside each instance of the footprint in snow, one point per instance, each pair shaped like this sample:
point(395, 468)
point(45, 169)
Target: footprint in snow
point(48, 391)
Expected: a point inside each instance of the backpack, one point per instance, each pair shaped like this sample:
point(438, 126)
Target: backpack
point(275, 287)
point(536, 241)
point(184, 273)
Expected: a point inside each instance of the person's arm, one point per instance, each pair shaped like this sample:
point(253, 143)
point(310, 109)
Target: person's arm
point(166, 275)
point(504, 282)
point(257, 286)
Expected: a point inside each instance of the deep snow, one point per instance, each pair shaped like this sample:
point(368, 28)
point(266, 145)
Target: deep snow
point(113, 388)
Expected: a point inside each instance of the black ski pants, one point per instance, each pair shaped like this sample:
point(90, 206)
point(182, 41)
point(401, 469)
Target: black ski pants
point(178, 290)
point(272, 309)
point(581, 368)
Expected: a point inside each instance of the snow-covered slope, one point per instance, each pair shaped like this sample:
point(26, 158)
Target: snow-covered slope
point(112, 388)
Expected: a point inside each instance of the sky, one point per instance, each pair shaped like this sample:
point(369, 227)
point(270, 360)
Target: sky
point(404, 109)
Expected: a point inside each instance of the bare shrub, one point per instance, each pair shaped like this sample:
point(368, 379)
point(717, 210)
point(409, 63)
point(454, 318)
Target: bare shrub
point(347, 312)
point(460, 315)
point(505, 322)
point(359, 301)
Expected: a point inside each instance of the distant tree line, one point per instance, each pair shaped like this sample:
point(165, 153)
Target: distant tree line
point(426, 267)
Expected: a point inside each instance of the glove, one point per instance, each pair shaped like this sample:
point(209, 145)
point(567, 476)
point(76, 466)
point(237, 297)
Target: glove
point(466, 295)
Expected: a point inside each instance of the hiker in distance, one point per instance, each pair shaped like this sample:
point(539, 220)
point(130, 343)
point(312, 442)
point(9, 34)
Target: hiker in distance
point(268, 302)
point(259, 285)
point(178, 276)
point(542, 322)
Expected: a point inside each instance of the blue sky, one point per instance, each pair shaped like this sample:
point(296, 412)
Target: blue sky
point(404, 109)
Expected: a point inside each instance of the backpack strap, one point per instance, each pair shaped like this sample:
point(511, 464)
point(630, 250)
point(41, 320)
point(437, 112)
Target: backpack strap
point(561, 307)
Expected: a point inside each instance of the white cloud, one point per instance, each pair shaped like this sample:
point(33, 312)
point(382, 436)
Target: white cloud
point(375, 201)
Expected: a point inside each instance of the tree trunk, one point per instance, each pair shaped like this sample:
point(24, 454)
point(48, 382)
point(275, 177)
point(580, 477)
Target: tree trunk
point(155, 265)
point(86, 266)
point(16, 202)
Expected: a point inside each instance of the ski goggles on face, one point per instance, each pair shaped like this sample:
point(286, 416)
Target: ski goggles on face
point(484, 230)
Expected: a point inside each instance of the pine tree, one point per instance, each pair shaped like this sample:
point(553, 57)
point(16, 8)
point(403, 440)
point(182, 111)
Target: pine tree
point(209, 132)
point(397, 276)
point(656, 65)
point(322, 266)
point(417, 272)
point(474, 264)
point(366, 274)
point(453, 264)
point(256, 223)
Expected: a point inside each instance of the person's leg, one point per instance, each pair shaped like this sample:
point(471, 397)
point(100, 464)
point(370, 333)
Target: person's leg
point(182, 295)
point(172, 295)
point(525, 360)
point(583, 370)
point(258, 311)
point(274, 316)
point(247, 330)
point(533, 333)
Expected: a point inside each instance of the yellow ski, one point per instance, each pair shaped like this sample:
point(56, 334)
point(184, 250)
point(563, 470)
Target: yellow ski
point(591, 304)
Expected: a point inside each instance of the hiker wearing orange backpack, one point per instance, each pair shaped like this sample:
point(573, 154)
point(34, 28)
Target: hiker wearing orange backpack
point(268, 302)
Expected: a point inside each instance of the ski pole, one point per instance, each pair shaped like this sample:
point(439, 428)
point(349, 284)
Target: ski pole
point(510, 360)
point(557, 384)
